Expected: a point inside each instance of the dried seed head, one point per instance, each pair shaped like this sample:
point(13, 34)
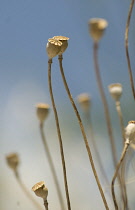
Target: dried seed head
point(40, 190)
point(85, 101)
point(42, 111)
point(115, 91)
point(53, 47)
point(12, 160)
point(64, 41)
point(130, 131)
point(97, 27)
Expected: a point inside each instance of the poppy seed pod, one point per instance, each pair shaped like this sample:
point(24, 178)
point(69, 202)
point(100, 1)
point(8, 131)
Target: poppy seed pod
point(130, 131)
point(40, 190)
point(53, 47)
point(64, 41)
point(97, 27)
point(42, 111)
point(12, 160)
point(84, 100)
point(115, 91)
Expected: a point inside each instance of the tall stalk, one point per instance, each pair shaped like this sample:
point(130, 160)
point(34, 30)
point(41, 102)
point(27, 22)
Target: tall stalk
point(104, 101)
point(106, 111)
point(95, 148)
point(51, 166)
point(126, 47)
point(59, 134)
point(116, 173)
point(60, 57)
point(118, 108)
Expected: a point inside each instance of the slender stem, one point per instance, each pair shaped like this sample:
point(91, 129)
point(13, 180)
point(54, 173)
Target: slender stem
point(106, 111)
point(25, 190)
point(96, 152)
point(59, 134)
point(116, 173)
point(48, 154)
point(46, 205)
point(104, 101)
point(126, 47)
point(118, 108)
point(83, 132)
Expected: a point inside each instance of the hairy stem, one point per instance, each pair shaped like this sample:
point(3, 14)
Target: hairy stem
point(50, 161)
point(118, 108)
point(126, 47)
point(83, 132)
point(116, 173)
point(59, 134)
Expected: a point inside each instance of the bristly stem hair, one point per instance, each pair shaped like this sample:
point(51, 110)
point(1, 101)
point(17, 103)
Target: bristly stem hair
point(60, 57)
point(50, 161)
point(59, 134)
point(126, 47)
point(116, 173)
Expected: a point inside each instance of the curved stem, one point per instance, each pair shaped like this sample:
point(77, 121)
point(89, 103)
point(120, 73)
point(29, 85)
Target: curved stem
point(83, 132)
point(59, 134)
point(116, 173)
point(118, 108)
point(50, 161)
point(104, 101)
point(126, 47)
point(25, 190)
point(97, 154)
point(106, 111)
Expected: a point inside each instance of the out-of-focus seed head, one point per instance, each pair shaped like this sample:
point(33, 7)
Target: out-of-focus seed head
point(64, 41)
point(12, 160)
point(115, 91)
point(42, 111)
point(53, 47)
point(85, 101)
point(97, 27)
point(130, 131)
point(40, 190)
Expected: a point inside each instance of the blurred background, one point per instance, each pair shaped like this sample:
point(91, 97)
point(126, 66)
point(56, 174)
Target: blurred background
point(25, 27)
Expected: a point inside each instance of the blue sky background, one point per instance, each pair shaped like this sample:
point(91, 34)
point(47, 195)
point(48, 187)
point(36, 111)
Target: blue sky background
point(25, 27)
